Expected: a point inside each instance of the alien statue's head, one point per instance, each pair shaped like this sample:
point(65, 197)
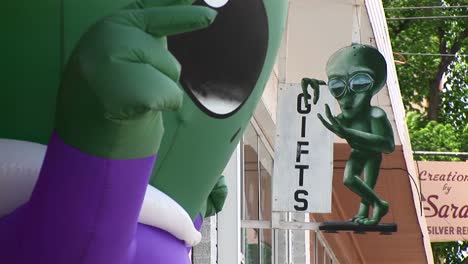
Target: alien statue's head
point(355, 74)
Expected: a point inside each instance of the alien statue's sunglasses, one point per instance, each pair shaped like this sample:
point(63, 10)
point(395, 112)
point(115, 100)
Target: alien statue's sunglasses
point(358, 83)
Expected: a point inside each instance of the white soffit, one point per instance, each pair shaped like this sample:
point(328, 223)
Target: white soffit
point(316, 29)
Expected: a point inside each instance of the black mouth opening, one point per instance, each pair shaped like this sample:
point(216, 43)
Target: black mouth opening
point(222, 63)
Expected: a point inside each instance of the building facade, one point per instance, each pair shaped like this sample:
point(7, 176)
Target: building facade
point(243, 233)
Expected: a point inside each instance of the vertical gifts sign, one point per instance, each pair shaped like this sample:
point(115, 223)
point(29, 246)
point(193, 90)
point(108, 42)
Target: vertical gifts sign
point(444, 188)
point(302, 178)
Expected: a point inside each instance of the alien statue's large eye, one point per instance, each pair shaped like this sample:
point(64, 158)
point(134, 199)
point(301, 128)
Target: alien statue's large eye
point(337, 87)
point(216, 3)
point(361, 82)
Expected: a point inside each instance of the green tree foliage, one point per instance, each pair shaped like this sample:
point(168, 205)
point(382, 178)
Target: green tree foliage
point(455, 94)
point(435, 84)
point(431, 135)
point(434, 87)
point(449, 252)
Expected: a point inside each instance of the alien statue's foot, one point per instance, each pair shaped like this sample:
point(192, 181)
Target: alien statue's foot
point(363, 213)
point(357, 218)
point(380, 209)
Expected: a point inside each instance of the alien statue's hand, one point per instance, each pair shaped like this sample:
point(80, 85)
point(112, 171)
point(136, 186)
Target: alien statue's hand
point(315, 84)
point(217, 197)
point(121, 76)
point(334, 125)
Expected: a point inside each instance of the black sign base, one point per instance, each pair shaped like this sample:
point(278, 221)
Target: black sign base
point(335, 227)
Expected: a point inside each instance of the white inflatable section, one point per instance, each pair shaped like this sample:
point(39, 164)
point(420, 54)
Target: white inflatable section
point(217, 105)
point(163, 212)
point(20, 164)
point(216, 3)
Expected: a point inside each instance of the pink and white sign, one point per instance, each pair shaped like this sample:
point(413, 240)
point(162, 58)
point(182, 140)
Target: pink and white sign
point(444, 187)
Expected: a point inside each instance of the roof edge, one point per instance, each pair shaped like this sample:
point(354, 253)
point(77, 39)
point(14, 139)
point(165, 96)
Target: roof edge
point(379, 25)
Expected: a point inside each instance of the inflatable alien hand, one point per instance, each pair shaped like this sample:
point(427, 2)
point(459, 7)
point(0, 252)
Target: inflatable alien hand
point(315, 84)
point(121, 76)
point(217, 197)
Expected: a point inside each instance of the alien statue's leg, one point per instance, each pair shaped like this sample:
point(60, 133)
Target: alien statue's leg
point(83, 210)
point(371, 170)
point(353, 169)
point(371, 173)
point(352, 180)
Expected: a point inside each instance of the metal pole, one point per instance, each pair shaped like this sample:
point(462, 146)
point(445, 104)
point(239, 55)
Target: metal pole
point(316, 248)
point(431, 54)
point(259, 202)
point(425, 18)
point(423, 7)
point(442, 153)
point(243, 198)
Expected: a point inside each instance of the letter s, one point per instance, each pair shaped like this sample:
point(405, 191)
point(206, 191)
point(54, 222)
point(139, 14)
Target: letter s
point(304, 202)
point(432, 205)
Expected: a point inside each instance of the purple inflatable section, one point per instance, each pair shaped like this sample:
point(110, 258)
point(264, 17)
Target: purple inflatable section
point(84, 210)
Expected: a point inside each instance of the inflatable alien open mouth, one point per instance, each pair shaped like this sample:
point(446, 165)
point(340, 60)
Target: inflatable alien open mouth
point(221, 64)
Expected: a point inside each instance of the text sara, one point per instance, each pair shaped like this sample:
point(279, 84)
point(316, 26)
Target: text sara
point(444, 210)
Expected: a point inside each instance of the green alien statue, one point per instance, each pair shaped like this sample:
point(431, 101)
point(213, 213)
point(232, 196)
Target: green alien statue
point(355, 74)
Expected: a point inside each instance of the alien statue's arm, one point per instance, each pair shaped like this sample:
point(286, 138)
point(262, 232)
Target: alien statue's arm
point(120, 77)
point(380, 139)
point(315, 84)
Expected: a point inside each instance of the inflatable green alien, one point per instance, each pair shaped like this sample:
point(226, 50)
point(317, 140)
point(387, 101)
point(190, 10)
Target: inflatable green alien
point(170, 78)
point(355, 74)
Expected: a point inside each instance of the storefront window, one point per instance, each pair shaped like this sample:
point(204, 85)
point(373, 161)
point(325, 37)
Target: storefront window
point(256, 205)
point(259, 243)
point(312, 242)
point(319, 253)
